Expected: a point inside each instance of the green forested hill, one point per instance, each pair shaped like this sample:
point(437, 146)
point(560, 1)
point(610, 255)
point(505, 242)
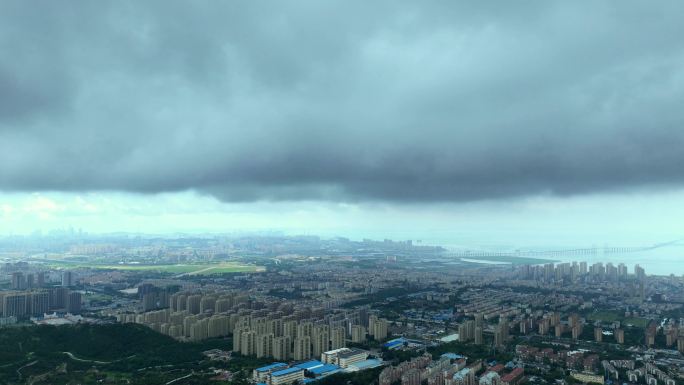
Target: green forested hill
point(105, 354)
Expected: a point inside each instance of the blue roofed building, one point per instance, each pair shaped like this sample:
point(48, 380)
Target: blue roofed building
point(324, 370)
point(396, 343)
point(286, 376)
point(308, 365)
point(261, 374)
point(401, 342)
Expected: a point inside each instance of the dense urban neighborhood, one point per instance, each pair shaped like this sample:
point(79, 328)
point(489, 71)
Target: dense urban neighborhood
point(281, 309)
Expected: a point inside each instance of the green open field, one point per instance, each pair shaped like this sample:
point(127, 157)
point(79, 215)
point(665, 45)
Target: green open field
point(180, 269)
point(610, 316)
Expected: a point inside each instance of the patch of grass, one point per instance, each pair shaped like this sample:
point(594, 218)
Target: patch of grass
point(612, 316)
point(226, 268)
point(604, 316)
point(638, 322)
point(193, 269)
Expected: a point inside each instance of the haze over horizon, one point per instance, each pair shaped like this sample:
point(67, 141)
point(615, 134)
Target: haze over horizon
point(544, 123)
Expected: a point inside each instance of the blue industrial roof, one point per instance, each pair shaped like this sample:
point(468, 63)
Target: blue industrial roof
point(308, 365)
point(285, 371)
point(452, 356)
point(367, 364)
point(324, 369)
point(270, 367)
point(395, 342)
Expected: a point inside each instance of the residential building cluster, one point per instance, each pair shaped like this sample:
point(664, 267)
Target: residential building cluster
point(284, 330)
point(27, 303)
point(449, 369)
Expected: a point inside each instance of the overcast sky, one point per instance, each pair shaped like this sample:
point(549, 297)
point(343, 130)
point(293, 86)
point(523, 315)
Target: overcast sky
point(505, 120)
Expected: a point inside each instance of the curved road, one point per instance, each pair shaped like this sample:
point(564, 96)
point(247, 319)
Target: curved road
point(73, 357)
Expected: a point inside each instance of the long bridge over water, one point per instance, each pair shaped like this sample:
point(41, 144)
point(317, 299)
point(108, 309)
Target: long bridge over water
point(558, 253)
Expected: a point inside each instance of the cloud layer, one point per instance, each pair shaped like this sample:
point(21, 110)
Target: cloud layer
point(341, 101)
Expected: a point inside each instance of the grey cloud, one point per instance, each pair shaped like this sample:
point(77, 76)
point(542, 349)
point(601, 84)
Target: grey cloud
point(399, 101)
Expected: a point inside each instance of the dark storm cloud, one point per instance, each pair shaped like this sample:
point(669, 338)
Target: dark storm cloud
point(349, 100)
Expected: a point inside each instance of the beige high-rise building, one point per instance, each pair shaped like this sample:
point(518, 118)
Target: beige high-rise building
point(479, 320)
point(337, 337)
point(503, 324)
point(176, 331)
point(174, 302)
point(544, 326)
point(501, 332)
point(243, 322)
point(260, 325)
point(15, 305)
point(234, 319)
point(159, 316)
point(207, 303)
point(290, 329)
point(466, 331)
point(199, 330)
point(222, 305)
point(462, 333)
point(58, 297)
point(478, 335)
point(237, 338)
point(380, 329)
point(302, 348)
point(371, 324)
point(264, 345)
point(598, 334)
point(275, 326)
point(576, 331)
point(219, 325)
point(558, 330)
point(248, 343)
point(498, 337)
point(470, 329)
point(321, 340)
point(73, 304)
point(40, 303)
point(281, 348)
point(193, 304)
point(177, 318)
point(304, 329)
point(187, 324)
point(358, 334)
point(670, 336)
